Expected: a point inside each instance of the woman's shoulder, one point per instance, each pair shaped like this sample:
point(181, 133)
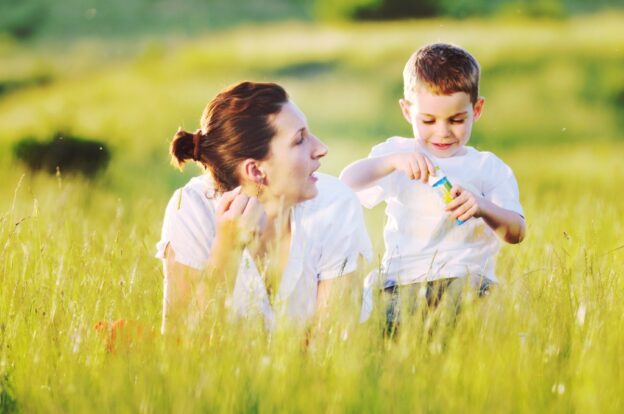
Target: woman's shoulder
point(201, 185)
point(197, 194)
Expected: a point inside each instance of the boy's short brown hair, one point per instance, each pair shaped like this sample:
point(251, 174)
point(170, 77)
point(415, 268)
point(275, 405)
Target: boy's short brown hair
point(443, 69)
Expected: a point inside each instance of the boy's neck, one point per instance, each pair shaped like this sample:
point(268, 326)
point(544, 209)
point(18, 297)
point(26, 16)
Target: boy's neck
point(460, 151)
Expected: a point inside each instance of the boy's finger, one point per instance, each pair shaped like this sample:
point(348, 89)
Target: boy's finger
point(456, 191)
point(468, 214)
point(456, 202)
point(461, 211)
point(430, 167)
point(424, 171)
point(415, 172)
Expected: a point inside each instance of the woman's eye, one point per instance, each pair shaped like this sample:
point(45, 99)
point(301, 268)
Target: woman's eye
point(301, 138)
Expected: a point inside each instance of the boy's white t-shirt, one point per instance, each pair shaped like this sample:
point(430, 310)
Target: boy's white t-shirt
point(423, 242)
point(328, 236)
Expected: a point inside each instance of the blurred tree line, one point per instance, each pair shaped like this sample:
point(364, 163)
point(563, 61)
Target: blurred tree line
point(401, 9)
point(23, 19)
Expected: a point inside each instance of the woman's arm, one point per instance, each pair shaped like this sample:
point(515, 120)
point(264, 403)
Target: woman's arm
point(337, 302)
point(181, 285)
point(187, 290)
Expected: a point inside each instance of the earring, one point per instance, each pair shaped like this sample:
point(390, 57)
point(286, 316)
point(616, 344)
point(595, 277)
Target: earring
point(259, 182)
point(258, 187)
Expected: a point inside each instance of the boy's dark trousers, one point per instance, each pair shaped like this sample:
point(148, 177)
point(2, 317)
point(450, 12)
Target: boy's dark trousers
point(443, 295)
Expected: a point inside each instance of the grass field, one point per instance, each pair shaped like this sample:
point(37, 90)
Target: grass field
point(550, 338)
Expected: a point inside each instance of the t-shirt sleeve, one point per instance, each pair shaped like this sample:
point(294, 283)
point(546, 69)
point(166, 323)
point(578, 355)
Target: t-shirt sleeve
point(502, 188)
point(189, 228)
point(383, 188)
point(344, 238)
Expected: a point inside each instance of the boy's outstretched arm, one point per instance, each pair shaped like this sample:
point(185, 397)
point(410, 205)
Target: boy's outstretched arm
point(508, 225)
point(364, 173)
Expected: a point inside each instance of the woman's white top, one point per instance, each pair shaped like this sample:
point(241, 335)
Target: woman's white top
point(328, 236)
point(423, 242)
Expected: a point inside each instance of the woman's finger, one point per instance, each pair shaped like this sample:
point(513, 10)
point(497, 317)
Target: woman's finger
point(226, 200)
point(238, 205)
point(253, 211)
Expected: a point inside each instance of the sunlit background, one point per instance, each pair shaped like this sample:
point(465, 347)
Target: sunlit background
point(76, 242)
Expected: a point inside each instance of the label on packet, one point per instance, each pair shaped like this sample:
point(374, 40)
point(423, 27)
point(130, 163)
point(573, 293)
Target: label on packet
point(442, 184)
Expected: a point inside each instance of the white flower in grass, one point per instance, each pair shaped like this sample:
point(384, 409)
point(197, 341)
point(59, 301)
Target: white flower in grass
point(558, 388)
point(580, 314)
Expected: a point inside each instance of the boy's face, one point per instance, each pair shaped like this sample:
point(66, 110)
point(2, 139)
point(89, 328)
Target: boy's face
point(441, 123)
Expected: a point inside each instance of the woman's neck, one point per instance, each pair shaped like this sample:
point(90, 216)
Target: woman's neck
point(278, 216)
point(276, 208)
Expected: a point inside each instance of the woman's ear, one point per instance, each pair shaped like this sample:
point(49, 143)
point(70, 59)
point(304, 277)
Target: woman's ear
point(406, 110)
point(252, 172)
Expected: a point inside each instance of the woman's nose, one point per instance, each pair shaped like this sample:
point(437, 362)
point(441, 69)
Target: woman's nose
point(320, 149)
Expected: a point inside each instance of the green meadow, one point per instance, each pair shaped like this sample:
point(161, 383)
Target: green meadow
point(548, 338)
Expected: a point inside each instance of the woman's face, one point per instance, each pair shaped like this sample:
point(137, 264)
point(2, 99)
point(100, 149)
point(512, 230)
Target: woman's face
point(294, 156)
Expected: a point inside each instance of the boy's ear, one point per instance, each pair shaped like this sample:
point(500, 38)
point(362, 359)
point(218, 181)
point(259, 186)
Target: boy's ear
point(406, 110)
point(478, 107)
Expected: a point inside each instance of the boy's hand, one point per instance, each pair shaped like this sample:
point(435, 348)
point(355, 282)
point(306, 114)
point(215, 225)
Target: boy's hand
point(414, 164)
point(465, 204)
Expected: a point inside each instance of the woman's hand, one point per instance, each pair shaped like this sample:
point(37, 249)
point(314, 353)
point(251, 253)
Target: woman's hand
point(414, 164)
point(245, 213)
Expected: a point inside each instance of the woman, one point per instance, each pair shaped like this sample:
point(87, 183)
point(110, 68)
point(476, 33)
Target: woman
point(261, 212)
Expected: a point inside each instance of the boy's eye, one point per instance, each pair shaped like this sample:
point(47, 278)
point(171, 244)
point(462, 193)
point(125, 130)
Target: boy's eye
point(428, 121)
point(457, 121)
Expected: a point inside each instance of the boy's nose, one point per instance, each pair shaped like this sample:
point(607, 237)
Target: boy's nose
point(443, 129)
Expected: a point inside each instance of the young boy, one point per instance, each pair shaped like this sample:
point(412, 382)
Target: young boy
point(433, 246)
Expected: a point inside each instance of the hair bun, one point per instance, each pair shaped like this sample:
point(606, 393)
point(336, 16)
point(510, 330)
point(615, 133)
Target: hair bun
point(182, 148)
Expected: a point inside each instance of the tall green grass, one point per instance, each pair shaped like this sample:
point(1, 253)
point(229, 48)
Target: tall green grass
point(548, 338)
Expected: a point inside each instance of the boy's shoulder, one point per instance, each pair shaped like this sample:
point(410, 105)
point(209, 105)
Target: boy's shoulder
point(484, 158)
point(393, 145)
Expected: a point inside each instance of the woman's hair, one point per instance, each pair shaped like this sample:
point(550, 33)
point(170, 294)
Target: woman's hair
point(236, 125)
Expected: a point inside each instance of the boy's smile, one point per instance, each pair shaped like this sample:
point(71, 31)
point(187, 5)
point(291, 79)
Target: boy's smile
point(441, 123)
